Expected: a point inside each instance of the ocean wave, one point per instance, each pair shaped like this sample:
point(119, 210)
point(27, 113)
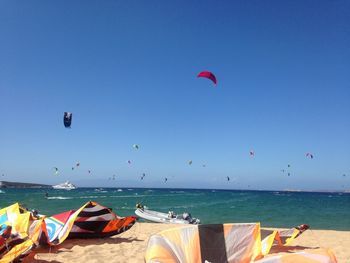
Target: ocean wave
point(59, 197)
point(93, 196)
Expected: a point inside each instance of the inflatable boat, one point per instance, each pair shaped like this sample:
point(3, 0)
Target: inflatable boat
point(166, 218)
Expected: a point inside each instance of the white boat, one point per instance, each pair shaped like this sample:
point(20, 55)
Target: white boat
point(166, 218)
point(64, 186)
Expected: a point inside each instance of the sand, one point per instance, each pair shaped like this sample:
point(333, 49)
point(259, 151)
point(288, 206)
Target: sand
point(131, 245)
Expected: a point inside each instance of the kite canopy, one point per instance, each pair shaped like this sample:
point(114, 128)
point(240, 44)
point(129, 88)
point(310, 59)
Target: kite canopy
point(227, 243)
point(67, 119)
point(136, 146)
point(20, 231)
point(208, 75)
point(310, 155)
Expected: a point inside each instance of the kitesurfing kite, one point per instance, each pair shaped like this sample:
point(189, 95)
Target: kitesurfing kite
point(67, 119)
point(89, 171)
point(143, 176)
point(252, 153)
point(208, 75)
point(310, 155)
point(136, 146)
point(228, 178)
point(190, 162)
point(129, 162)
point(288, 165)
point(22, 231)
point(77, 164)
point(56, 170)
point(165, 180)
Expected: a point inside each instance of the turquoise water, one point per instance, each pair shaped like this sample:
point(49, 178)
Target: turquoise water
point(271, 208)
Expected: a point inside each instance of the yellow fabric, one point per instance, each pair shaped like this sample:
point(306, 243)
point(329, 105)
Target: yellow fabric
point(22, 224)
point(11, 212)
point(16, 251)
point(243, 244)
point(268, 242)
point(161, 253)
point(289, 240)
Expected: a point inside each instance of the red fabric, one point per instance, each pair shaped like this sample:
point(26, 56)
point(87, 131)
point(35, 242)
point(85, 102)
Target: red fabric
point(208, 75)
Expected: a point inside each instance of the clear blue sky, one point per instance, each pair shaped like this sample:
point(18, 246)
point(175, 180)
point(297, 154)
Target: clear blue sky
point(127, 70)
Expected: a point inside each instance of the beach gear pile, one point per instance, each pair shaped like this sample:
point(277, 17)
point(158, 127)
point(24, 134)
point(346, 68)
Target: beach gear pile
point(21, 231)
point(229, 243)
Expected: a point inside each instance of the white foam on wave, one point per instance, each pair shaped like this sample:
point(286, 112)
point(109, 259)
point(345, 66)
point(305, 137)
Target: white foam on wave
point(93, 196)
point(59, 197)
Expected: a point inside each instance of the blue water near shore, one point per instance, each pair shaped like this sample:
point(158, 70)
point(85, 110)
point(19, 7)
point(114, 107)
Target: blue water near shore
point(271, 208)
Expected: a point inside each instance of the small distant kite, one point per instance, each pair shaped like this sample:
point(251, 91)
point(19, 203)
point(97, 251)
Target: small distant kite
point(288, 165)
point(77, 164)
point(227, 178)
point(72, 168)
point(310, 155)
point(89, 171)
point(129, 162)
point(165, 180)
point(67, 119)
point(190, 162)
point(252, 153)
point(143, 176)
point(136, 146)
point(288, 174)
point(56, 170)
point(208, 75)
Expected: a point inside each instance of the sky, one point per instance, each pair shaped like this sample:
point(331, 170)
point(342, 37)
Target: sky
point(127, 70)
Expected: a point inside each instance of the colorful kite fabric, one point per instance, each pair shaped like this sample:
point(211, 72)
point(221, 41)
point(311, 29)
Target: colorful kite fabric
point(208, 75)
point(227, 243)
point(21, 232)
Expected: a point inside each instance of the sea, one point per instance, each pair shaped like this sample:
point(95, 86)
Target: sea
point(270, 208)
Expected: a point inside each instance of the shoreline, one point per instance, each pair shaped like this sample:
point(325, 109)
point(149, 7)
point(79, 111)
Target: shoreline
point(131, 245)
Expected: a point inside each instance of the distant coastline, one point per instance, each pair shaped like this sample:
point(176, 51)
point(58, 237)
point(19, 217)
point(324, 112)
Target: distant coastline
point(6, 184)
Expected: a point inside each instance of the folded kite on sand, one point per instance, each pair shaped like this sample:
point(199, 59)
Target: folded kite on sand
point(228, 243)
point(20, 232)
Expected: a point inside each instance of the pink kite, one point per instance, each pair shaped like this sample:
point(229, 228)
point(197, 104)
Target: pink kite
point(208, 75)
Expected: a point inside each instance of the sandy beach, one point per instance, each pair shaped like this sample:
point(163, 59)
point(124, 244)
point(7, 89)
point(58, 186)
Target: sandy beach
point(131, 245)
